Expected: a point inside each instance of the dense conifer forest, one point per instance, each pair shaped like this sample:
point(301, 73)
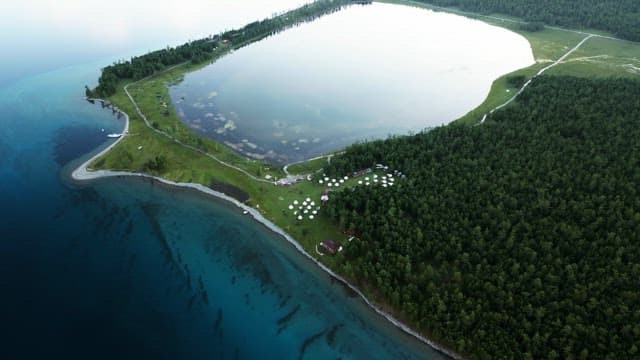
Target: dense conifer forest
point(620, 17)
point(519, 238)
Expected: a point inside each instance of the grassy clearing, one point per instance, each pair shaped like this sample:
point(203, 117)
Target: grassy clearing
point(275, 205)
point(601, 57)
point(598, 57)
point(500, 92)
point(309, 167)
point(547, 46)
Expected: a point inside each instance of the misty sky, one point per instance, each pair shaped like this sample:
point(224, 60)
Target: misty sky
point(40, 35)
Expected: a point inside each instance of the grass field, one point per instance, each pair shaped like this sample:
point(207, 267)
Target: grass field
point(601, 57)
point(598, 57)
point(309, 166)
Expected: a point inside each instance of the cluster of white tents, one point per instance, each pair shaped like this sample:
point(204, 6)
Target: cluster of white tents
point(333, 182)
point(304, 209)
point(384, 180)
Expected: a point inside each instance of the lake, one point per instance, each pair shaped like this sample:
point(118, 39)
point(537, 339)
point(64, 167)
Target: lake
point(362, 73)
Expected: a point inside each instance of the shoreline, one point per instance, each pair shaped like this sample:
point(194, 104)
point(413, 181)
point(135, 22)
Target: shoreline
point(82, 173)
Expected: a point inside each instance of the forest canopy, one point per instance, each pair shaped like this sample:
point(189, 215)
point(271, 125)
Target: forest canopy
point(519, 237)
point(620, 17)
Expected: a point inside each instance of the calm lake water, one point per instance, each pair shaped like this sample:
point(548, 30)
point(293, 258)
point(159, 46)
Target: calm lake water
point(362, 73)
point(123, 268)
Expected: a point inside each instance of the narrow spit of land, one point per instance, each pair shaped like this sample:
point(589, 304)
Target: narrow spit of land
point(193, 148)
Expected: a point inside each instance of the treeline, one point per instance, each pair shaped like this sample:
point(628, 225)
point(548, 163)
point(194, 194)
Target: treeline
point(517, 239)
point(202, 50)
point(620, 17)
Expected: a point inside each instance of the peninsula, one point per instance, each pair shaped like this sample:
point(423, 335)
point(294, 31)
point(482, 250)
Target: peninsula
point(421, 236)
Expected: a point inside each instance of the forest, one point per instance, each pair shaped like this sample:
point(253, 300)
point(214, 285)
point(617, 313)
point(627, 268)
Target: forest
point(519, 238)
point(202, 50)
point(619, 17)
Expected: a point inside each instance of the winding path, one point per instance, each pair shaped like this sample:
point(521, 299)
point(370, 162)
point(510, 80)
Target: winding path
point(542, 71)
point(146, 121)
point(286, 167)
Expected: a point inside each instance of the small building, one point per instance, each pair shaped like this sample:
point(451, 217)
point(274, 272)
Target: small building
point(361, 172)
point(330, 247)
point(290, 180)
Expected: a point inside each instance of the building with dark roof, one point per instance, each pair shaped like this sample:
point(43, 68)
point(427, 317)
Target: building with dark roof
point(331, 247)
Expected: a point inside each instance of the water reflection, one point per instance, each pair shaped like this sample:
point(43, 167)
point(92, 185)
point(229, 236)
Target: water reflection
point(365, 72)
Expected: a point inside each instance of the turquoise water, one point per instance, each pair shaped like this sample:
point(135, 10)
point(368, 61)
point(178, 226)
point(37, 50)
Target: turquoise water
point(362, 73)
point(126, 268)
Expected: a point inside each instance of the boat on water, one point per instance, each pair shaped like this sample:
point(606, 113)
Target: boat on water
point(114, 135)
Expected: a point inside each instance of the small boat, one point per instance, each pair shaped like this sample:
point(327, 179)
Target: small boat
point(245, 212)
point(114, 135)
